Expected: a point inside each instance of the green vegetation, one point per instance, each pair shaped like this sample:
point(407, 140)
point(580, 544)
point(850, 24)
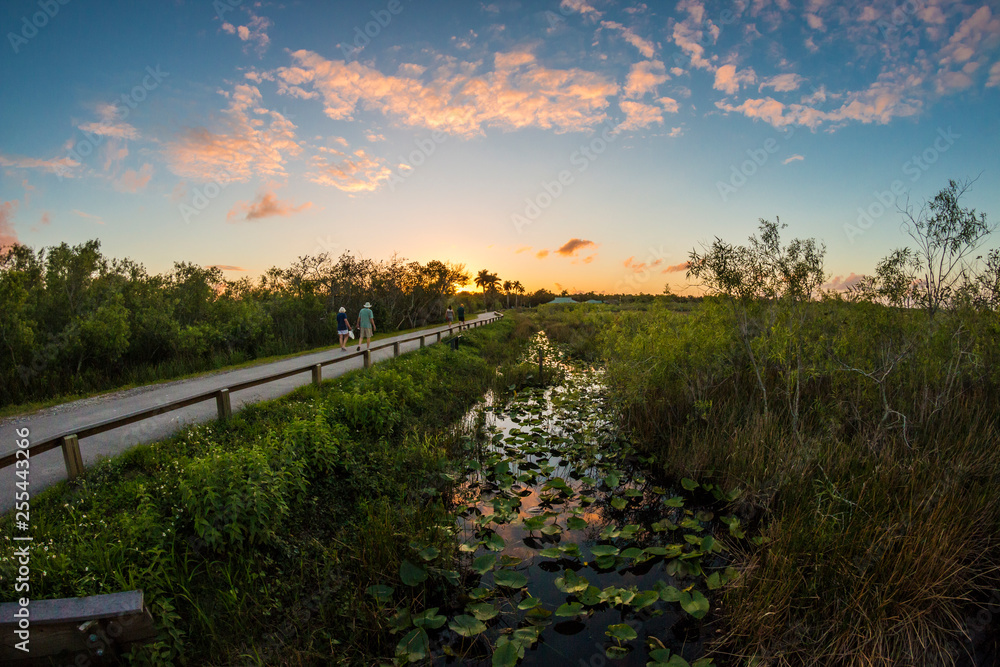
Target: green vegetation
point(73, 321)
point(256, 540)
point(862, 432)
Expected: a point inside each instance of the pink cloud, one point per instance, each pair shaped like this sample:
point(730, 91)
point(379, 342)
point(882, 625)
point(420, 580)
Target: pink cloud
point(518, 93)
point(62, 166)
point(573, 246)
point(358, 173)
point(254, 32)
point(133, 181)
point(644, 46)
point(675, 268)
point(7, 234)
point(644, 77)
point(638, 115)
point(782, 83)
point(256, 142)
point(265, 206)
point(581, 7)
point(728, 79)
point(842, 283)
point(542, 254)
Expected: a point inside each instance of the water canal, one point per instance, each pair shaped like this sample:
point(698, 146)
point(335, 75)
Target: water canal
point(571, 552)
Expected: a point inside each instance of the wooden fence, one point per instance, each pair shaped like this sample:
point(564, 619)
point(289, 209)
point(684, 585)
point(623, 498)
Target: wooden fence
point(70, 441)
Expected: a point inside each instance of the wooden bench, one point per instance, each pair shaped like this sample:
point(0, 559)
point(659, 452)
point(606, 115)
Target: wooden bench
point(99, 628)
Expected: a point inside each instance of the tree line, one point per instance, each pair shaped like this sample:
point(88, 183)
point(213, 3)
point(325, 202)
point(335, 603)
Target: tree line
point(73, 320)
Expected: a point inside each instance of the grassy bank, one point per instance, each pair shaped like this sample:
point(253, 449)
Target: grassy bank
point(256, 540)
point(864, 439)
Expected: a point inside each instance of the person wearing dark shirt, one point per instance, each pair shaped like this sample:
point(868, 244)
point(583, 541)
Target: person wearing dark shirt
point(343, 327)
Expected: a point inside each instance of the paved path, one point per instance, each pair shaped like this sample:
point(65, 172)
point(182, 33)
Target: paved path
point(48, 468)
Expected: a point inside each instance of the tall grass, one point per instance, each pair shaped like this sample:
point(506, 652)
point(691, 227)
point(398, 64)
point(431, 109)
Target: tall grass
point(879, 504)
point(255, 540)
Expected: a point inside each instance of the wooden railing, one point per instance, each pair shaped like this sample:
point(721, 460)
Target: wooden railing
point(70, 441)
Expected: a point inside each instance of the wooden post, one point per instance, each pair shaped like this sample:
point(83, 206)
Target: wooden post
point(439, 336)
point(222, 402)
point(71, 456)
point(317, 373)
point(421, 341)
point(395, 349)
point(368, 358)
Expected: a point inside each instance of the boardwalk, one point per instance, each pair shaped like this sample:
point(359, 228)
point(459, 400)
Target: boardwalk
point(48, 468)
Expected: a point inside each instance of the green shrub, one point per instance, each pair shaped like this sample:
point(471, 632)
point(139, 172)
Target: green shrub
point(238, 498)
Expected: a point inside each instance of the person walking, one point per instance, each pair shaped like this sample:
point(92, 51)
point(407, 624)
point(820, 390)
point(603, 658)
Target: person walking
point(461, 313)
point(366, 323)
point(449, 317)
point(343, 327)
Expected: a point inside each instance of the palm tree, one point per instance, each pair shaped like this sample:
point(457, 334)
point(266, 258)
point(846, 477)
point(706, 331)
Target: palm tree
point(486, 280)
point(507, 287)
point(519, 289)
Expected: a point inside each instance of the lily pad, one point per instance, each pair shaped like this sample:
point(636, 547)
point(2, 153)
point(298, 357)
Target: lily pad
point(414, 646)
point(694, 603)
point(571, 582)
point(429, 618)
point(569, 609)
point(381, 593)
point(622, 632)
point(510, 579)
point(483, 611)
point(484, 563)
point(412, 575)
point(467, 626)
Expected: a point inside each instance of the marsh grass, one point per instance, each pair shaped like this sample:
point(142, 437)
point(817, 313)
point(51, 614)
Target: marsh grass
point(256, 540)
point(879, 535)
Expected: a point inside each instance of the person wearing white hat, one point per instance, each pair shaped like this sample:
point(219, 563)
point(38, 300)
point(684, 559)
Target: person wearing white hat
point(343, 327)
point(366, 322)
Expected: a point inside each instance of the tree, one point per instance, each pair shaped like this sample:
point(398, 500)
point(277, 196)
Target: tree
point(487, 281)
point(507, 287)
point(946, 234)
point(762, 281)
point(519, 289)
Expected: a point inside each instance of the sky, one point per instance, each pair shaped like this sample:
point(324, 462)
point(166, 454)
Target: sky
point(579, 145)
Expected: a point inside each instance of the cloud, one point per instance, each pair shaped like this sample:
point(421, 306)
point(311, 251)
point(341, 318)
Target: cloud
point(89, 216)
point(641, 267)
point(254, 33)
point(358, 173)
point(676, 132)
point(994, 79)
point(542, 254)
point(792, 158)
point(8, 235)
point(669, 104)
point(879, 103)
point(728, 79)
point(842, 283)
point(256, 142)
point(782, 83)
point(638, 115)
point(110, 125)
point(646, 48)
point(644, 77)
point(518, 93)
point(61, 166)
point(133, 181)
point(225, 267)
point(581, 7)
point(265, 206)
point(573, 246)
point(676, 268)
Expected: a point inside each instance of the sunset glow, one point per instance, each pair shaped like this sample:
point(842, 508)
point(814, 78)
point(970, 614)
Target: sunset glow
point(568, 145)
